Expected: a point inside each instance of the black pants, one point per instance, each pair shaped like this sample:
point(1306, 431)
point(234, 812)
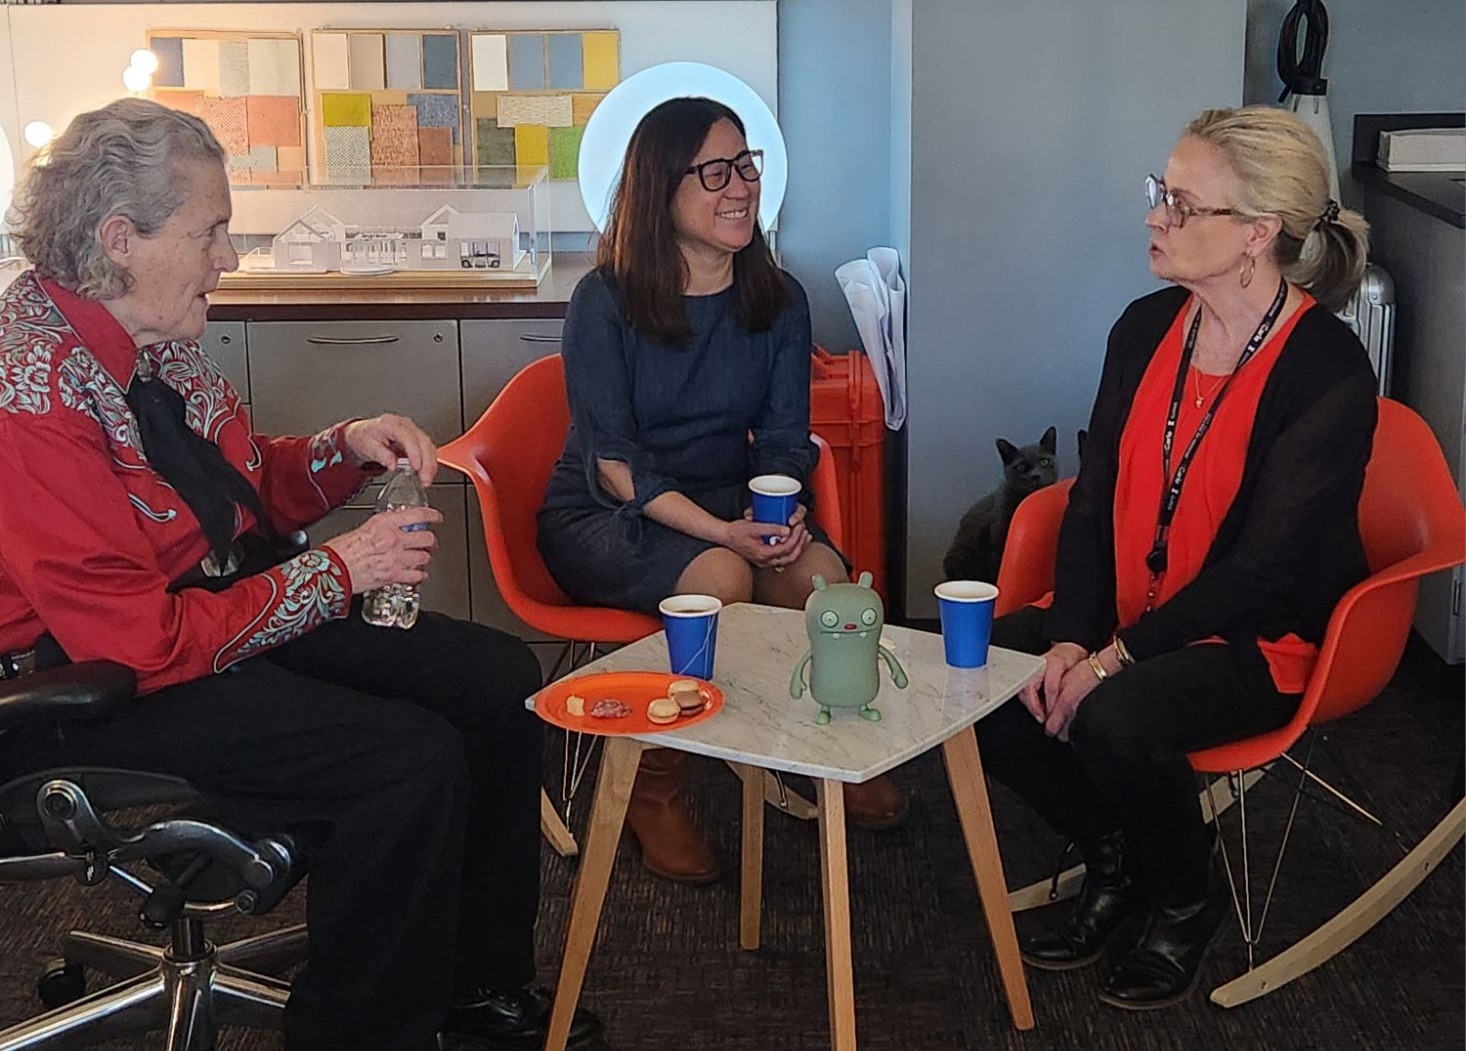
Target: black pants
point(1125, 764)
point(408, 764)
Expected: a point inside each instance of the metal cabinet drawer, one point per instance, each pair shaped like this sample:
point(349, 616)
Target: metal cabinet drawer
point(493, 351)
point(305, 376)
point(223, 341)
point(446, 589)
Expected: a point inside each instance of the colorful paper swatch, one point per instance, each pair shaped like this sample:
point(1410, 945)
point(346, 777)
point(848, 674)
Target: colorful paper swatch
point(348, 154)
point(533, 93)
point(368, 61)
point(403, 83)
point(404, 61)
point(440, 62)
point(273, 120)
point(346, 109)
point(247, 87)
point(490, 62)
point(565, 152)
point(331, 56)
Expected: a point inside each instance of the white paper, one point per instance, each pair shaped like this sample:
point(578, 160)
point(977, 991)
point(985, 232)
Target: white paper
point(490, 62)
point(329, 52)
point(201, 64)
point(877, 296)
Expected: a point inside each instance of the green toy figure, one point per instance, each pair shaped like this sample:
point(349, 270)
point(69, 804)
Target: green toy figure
point(844, 622)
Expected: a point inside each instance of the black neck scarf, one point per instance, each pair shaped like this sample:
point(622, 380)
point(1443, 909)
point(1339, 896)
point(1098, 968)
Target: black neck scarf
point(194, 466)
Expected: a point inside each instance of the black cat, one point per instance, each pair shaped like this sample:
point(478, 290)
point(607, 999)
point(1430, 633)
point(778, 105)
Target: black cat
point(977, 549)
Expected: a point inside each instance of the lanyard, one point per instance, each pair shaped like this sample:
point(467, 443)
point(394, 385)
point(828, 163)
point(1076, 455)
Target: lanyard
point(1157, 559)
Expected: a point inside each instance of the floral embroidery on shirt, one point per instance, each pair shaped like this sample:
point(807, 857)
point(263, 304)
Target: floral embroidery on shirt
point(305, 592)
point(85, 386)
point(30, 333)
point(209, 399)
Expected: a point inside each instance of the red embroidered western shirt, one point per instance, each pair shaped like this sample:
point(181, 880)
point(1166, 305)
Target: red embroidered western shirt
point(91, 536)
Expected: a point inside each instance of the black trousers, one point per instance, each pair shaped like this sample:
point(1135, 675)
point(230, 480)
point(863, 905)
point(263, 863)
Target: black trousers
point(1125, 764)
point(407, 763)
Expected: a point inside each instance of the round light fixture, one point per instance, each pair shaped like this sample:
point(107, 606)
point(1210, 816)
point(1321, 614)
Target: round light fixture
point(135, 79)
point(608, 132)
point(144, 60)
point(38, 133)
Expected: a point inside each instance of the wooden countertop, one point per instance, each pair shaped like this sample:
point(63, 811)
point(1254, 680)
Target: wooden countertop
point(547, 301)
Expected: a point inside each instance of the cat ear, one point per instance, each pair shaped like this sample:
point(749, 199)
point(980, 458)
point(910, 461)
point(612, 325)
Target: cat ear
point(865, 579)
point(1007, 450)
point(818, 582)
point(1049, 441)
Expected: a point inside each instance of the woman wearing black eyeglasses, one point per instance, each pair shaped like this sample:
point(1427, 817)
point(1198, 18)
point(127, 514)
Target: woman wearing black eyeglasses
point(686, 339)
point(1211, 531)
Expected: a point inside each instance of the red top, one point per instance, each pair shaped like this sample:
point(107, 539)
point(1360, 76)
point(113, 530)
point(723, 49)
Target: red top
point(91, 536)
point(1211, 484)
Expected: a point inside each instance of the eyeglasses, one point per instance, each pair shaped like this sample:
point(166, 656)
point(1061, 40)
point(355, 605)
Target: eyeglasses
point(1177, 210)
point(718, 172)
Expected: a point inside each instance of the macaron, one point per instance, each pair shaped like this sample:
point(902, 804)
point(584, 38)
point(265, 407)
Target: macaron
point(663, 710)
point(689, 701)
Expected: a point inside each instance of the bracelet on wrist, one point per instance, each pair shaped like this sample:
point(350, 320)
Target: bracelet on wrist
point(1122, 654)
point(1097, 667)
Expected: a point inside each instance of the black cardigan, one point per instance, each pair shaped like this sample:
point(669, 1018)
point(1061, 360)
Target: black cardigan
point(1288, 547)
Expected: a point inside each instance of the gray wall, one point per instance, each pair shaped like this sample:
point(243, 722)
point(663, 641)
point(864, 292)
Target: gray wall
point(1398, 57)
point(835, 111)
point(1033, 126)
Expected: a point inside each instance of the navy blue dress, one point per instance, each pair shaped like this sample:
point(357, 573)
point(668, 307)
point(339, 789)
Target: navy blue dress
point(680, 419)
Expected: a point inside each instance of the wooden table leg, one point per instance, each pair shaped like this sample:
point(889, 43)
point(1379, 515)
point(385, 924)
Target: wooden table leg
point(751, 891)
point(554, 829)
point(835, 885)
point(619, 761)
point(969, 789)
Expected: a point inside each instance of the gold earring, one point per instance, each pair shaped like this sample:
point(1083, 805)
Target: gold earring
point(1249, 267)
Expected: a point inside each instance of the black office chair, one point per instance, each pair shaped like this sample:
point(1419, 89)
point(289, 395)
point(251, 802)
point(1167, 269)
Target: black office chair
point(53, 824)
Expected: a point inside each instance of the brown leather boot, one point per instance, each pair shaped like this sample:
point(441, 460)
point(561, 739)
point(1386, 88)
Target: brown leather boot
point(671, 846)
point(876, 804)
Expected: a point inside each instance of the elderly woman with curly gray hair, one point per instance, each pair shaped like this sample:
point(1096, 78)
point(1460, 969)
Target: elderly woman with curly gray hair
point(144, 523)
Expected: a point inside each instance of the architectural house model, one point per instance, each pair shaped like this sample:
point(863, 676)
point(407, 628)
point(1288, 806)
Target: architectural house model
point(446, 240)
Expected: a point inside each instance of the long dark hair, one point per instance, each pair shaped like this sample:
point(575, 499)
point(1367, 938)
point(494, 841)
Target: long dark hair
point(638, 253)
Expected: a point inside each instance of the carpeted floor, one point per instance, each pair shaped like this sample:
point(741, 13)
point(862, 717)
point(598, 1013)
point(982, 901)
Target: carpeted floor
point(668, 973)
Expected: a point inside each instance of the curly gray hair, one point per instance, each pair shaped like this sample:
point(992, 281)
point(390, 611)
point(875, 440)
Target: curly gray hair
point(115, 160)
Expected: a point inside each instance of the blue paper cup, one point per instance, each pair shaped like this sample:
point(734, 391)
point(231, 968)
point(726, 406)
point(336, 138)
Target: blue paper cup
point(775, 498)
point(967, 621)
point(691, 623)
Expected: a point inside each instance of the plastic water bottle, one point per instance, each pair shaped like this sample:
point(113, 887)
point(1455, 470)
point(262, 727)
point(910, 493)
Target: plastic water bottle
point(396, 605)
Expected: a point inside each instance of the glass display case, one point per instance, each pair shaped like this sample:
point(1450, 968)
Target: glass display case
point(438, 229)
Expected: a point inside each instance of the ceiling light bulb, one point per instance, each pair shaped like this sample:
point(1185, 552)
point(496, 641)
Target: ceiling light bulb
point(144, 60)
point(135, 79)
point(38, 133)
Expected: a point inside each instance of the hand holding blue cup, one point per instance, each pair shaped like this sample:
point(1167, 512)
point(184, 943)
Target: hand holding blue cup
point(775, 499)
point(967, 621)
point(691, 623)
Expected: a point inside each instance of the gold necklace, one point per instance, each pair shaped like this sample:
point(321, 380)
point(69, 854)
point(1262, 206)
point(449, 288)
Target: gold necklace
point(1201, 398)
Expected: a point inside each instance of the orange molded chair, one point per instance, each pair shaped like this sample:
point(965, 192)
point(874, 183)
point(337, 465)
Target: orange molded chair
point(1412, 524)
point(509, 454)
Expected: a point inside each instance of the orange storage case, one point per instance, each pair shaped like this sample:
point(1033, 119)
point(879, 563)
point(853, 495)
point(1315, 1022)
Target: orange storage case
point(845, 409)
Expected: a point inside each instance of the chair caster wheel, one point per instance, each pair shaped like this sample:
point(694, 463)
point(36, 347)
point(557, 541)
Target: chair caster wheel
point(61, 983)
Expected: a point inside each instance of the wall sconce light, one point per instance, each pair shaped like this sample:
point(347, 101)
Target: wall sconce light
point(38, 133)
point(138, 76)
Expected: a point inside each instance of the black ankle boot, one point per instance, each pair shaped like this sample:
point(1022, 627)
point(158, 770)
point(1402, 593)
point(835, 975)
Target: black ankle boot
point(1165, 963)
point(1111, 893)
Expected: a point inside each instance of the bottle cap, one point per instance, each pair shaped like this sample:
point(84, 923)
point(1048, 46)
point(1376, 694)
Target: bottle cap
point(404, 464)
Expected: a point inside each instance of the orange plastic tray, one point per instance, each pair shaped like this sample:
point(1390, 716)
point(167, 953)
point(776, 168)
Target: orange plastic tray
point(634, 688)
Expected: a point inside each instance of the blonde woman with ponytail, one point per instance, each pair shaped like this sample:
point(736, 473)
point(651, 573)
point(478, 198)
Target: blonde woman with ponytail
point(1211, 530)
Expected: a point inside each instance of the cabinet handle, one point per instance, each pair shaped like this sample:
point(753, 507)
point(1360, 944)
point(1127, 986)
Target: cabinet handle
point(337, 341)
point(530, 337)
